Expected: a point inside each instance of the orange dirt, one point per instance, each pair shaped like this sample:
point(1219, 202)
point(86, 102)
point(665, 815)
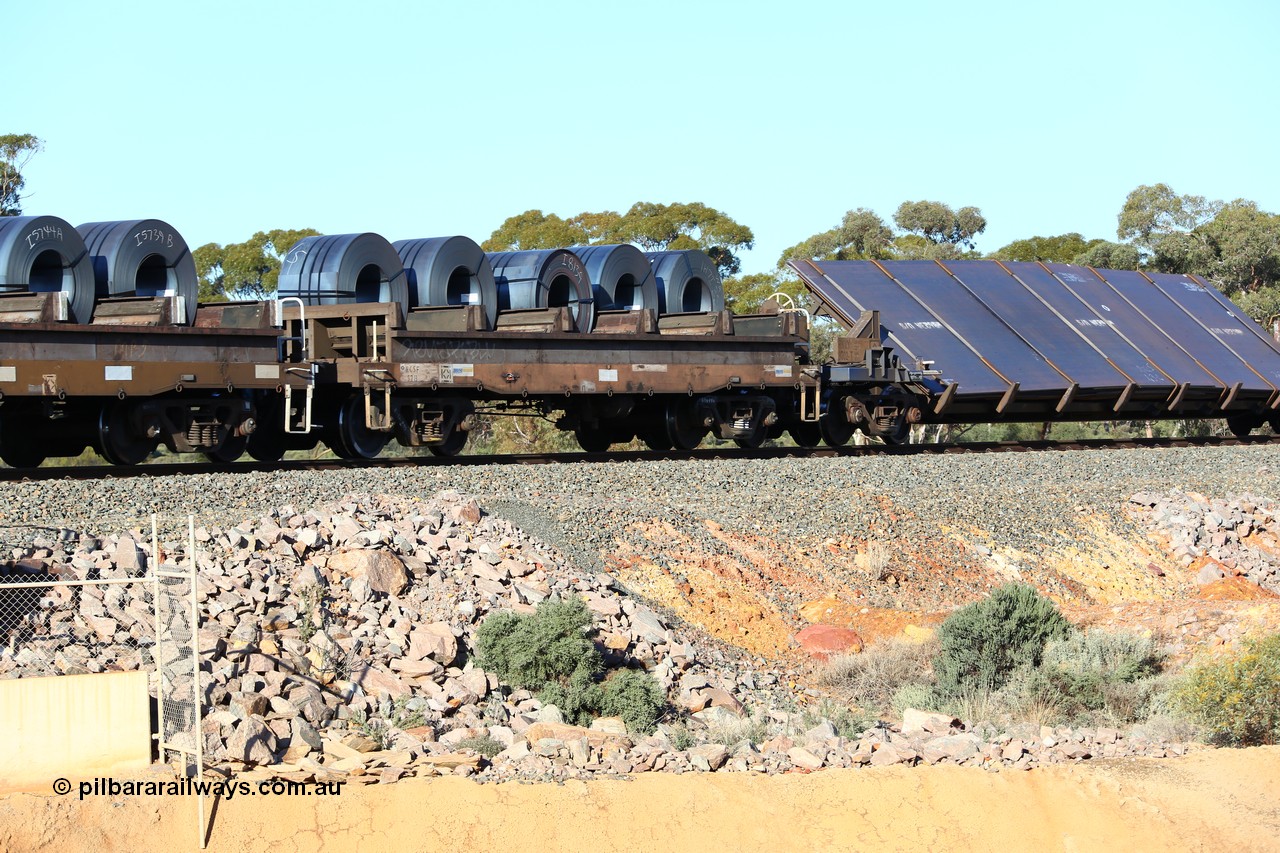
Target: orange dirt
point(1136, 804)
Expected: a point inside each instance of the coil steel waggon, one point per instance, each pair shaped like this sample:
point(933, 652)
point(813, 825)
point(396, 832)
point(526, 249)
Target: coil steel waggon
point(103, 345)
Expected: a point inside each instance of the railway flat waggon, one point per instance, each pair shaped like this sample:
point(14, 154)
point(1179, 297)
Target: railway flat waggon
point(102, 345)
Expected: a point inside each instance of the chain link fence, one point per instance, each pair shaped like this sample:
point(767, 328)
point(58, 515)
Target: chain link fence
point(74, 602)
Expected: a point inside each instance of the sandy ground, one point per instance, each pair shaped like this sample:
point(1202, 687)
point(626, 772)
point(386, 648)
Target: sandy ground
point(1209, 800)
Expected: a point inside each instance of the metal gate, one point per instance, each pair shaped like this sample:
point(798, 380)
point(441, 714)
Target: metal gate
point(179, 698)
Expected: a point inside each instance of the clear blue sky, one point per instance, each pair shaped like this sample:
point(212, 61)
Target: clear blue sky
point(417, 119)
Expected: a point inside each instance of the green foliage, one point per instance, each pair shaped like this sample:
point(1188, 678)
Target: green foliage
point(635, 697)
point(652, 227)
point(939, 224)
point(1064, 248)
point(1103, 254)
point(860, 235)
point(16, 149)
point(548, 652)
point(983, 644)
point(1261, 304)
point(913, 695)
point(485, 745)
point(1235, 244)
point(1112, 656)
point(745, 294)
point(1151, 212)
point(926, 230)
point(1097, 671)
point(547, 646)
point(248, 270)
point(579, 697)
point(1237, 699)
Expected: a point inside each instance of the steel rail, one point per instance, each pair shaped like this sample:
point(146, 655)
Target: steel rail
point(166, 469)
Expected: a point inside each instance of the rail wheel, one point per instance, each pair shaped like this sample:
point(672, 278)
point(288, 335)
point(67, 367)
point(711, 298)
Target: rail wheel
point(19, 439)
point(233, 447)
point(592, 440)
point(756, 439)
point(834, 426)
point(654, 435)
point(452, 445)
point(684, 428)
point(266, 444)
point(806, 434)
point(116, 441)
point(900, 433)
point(354, 440)
point(1242, 425)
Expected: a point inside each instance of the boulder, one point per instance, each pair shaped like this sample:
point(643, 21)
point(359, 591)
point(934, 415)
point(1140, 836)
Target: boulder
point(384, 571)
point(822, 641)
point(252, 742)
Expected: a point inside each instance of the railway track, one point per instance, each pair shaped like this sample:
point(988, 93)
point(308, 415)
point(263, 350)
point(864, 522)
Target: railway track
point(165, 469)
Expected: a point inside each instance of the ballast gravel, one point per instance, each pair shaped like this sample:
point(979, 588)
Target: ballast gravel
point(1028, 501)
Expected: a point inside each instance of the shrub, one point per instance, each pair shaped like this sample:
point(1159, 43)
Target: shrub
point(1113, 656)
point(873, 677)
point(579, 697)
point(1097, 671)
point(545, 647)
point(548, 652)
point(485, 745)
point(922, 697)
point(635, 697)
point(1237, 699)
point(983, 644)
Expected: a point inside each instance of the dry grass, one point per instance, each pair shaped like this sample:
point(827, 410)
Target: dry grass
point(872, 677)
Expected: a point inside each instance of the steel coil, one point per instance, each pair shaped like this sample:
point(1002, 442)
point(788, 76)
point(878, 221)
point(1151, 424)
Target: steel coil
point(45, 254)
point(448, 271)
point(548, 278)
point(337, 269)
point(621, 277)
point(687, 281)
point(142, 257)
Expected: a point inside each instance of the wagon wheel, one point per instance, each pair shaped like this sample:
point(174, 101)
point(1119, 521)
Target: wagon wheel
point(452, 445)
point(756, 439)
point(266, 443)
point(116, 441)
point(19, 439)
point(900, 433)
point(806, 434)
point(1242, 425)
point(834, 426)
point(684, 427)
point(654, 435)
point(231, 449)
point(592, 440)
point(354, 440)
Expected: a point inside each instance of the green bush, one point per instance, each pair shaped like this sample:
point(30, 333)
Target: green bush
point(484, 745)
point(1096, 671)
point(983, 644)
point(635, 697)
point(545, 647)
point(579, 697)
point(548, 652)
point(1237, 699)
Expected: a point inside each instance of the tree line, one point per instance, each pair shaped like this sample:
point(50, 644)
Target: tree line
point(1235, 244)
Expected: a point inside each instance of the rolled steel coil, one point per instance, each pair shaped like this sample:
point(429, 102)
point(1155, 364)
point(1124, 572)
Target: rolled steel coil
point(142, 257)
point(449, 271)
point(548, 278)
point(621, 277)
point(337, 269)
point(687, 281)
point(45, 254)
